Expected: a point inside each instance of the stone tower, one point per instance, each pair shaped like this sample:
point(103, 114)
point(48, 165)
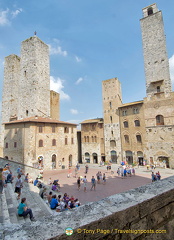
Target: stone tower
point(34, 83)
point(10, 88)
point(155, 55)
point(112, 99)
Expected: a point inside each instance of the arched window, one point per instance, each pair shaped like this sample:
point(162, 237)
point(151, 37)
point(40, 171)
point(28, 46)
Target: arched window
point(66, 141)
point(138, 136)
point(92, 139)
point(137, 123)
point(149, 11)
point(125, 123)
point(158, 89)
point(126, 138)
point(54, 142)
point(40, 143)
point(159, 120)
point(87, 138)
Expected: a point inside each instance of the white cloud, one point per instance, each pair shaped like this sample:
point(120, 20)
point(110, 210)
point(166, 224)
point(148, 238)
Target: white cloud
point(56, 84)
point(57, 50)
point(78, 59)
point(16, 12)
point(171, 65)
point(4, 18)
point(74, 111)
point(79, 80)
point(6, 15)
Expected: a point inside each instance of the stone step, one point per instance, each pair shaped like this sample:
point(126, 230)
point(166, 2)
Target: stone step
point(5, 218)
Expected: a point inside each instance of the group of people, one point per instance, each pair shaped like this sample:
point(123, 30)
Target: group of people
point(156, 177)
point(60, 203)
point(125, 171)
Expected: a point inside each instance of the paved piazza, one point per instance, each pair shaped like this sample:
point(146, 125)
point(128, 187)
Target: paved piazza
point(114, 184)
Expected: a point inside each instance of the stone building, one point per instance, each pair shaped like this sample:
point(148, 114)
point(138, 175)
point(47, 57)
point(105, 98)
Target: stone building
point(32, 132)
point(142, 131)
point(92, 139)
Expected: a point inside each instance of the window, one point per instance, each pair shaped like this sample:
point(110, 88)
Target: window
point(40, 129)
point(158, 89)
point(54, 142)
point(72, 130)
point(95, 139)
point(72, 140)
point(149, 11)
point(6, 145)
point(53, 129)
point(27, 113)
point(111, 119)
point(110, 105)
point(87, 138)
point(126, 138)
point(137, 123)
point(66, 141)
point(124, 112)
point(92, 139)
point(135, 110)
point(138, 138)
point(66, 130)
point(125, 123)
point(40, 143)
point(15, 144)
point(159, 120)
point(112, 132)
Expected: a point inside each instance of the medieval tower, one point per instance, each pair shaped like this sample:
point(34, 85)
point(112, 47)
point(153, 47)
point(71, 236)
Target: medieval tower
point(159, 103)
point(155, 54)
point(112, 99)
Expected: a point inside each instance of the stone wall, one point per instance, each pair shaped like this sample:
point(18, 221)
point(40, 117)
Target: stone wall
point(33, 172)
point(147, 211)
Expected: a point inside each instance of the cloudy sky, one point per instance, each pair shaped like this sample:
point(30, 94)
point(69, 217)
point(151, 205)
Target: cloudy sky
point(90, 41)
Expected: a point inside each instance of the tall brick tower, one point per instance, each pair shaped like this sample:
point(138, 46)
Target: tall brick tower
point(156, 62)
point(112, 99)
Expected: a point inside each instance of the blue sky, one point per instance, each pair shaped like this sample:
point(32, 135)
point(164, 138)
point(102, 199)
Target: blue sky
point(90, 41)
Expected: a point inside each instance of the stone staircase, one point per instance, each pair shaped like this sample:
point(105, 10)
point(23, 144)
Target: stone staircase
point(9, 204)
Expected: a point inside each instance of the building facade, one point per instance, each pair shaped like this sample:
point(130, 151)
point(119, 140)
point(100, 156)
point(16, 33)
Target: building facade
point(32, 131)
point(142, 132)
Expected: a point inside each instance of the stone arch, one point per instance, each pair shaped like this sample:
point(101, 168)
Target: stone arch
point(112, 143)
point(150, 11)
point(140, 158)
point(54, 161)
point(129, 157)
point(87, 157)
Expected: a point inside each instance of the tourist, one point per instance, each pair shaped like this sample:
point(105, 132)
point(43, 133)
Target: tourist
point(84, 183)
point(104, 178)
point(158, 176)
point(36, 181)
point(18, 186)
point(93, 183)
point(133, 171)
point(98, 177)
point(118, 172)
point(9, 178)
point(72, 204)
point(1, 180)
point(50, 181)
point(26, 178)
point(86, 169)
point(78, 183)
point(49, 197)
point(54, 202)
point(153, 177)
point(24, 211)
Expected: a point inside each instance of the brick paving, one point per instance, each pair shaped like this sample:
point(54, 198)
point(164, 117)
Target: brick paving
point(114, 184)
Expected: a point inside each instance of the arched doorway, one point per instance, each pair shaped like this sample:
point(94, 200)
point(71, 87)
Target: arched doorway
point(164, 161)
point(70, 160)
point(95, 158)
point(140, 158)
point(87, 157)
point(40, 162)
point(129, 157)
point(114, 156)
point(54, 161)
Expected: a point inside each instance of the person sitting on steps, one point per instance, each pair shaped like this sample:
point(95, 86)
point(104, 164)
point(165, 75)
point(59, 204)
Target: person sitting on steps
point(23, 211)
